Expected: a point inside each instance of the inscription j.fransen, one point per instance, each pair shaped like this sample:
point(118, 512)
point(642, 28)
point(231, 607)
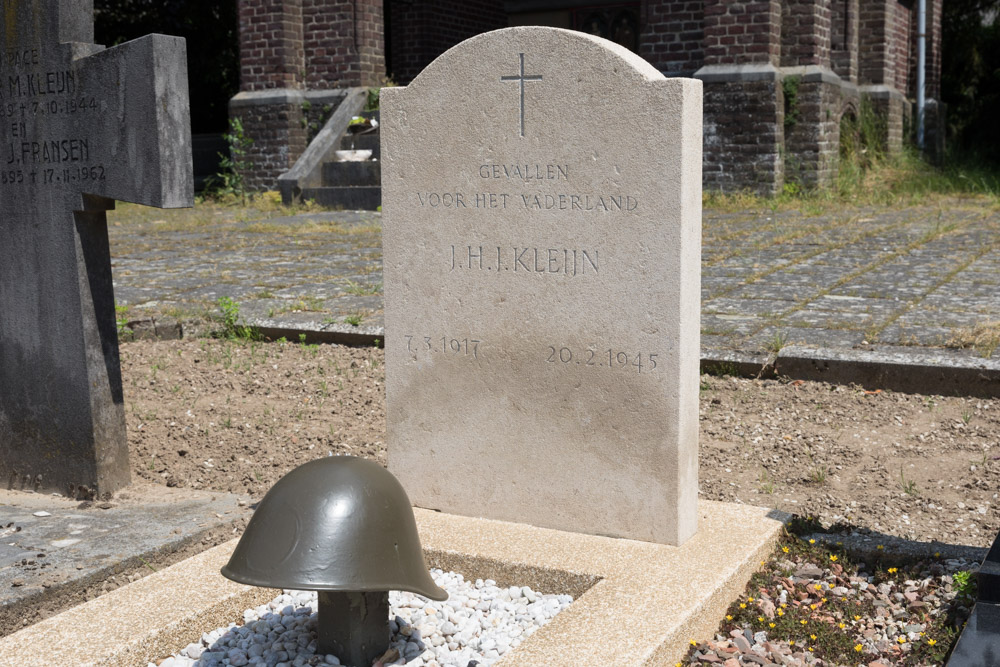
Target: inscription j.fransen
point(565, 261)
point(556, 202)
point(47, 152)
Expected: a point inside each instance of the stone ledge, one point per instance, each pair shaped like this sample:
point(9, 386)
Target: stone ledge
point(944, 372)
point(293, 96)
point(733, 73)
point(638, 603)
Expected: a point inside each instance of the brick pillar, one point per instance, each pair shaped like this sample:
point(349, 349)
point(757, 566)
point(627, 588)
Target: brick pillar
point(884, 39)
point(744, 106)
point(271, 47)
point(297, 60)
point(812, 93)
point(844, 42)
point(344, 45)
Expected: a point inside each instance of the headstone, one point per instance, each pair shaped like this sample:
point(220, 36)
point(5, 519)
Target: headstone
point(541, 254)
point(82, 126)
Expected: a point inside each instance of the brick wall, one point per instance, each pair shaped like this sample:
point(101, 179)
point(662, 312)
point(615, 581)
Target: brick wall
point(805, 33)
point(421, 31)
point(672, 34)
point(902, 26)
point(844, 40)
point(271, 46)
point(886, 33)
point(742, 31)
point(343, 43)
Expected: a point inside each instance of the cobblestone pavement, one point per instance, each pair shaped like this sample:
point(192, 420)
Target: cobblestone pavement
point(914, 278)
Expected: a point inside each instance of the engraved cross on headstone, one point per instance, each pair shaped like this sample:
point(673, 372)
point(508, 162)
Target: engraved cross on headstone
point(522, 78)
point(81, 127)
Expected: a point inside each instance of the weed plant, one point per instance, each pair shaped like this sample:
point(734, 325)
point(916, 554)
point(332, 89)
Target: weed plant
point(231, 328)
point(869, 175)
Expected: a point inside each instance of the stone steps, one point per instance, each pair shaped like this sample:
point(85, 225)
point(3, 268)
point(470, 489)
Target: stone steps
point(346, 197)
point(352, 185)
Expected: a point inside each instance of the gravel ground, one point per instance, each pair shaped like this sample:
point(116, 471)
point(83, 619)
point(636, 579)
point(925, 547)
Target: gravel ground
point(233, 416)
point(476, 625)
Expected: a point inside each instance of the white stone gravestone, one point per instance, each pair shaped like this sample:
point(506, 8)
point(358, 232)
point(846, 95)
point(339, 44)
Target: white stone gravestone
point(541, 198)
point(82, 126)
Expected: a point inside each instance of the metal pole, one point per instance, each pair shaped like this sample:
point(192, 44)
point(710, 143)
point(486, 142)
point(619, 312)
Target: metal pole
point(921, 57)
point(353, 626)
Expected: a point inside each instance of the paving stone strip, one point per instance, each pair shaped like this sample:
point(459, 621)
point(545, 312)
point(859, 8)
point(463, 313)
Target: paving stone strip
point(920, 279)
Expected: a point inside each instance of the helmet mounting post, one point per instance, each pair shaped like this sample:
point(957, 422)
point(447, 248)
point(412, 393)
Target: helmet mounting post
point(342, 526)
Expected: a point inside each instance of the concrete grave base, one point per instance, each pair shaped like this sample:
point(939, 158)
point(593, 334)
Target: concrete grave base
point(636, 603)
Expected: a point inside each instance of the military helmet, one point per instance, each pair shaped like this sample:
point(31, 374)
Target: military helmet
point(338, 523)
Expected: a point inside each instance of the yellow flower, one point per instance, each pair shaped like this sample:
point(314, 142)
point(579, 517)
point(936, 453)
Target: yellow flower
point(810, 648)
point(812, 606)
point(803, 621)
point(785, 549)
point(818, 587)
point(842, 625)
point(781, 612)
point(812, 541)
point(791, 642)
point(749, 599)
point(833, 558)
point(879, 547)
point(784, 604)
point(770, 625)
point(921, 634)
point(857, 618)
point(901, 640)
point(692, 642)
point(937, 554)
point(729, 617)
point(931, 642)
point(760, 618)
point(893, 570)
point(823, 600)
point(812, 637)
point(743, 605)
point(857, 647)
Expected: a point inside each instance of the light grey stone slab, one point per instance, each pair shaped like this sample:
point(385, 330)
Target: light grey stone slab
point(82, 126)
point(541, 242)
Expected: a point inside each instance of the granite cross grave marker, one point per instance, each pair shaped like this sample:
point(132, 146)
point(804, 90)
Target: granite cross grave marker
point(541, 254)
point(82, 126)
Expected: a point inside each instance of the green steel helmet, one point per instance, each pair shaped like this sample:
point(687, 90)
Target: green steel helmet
point(338, 523)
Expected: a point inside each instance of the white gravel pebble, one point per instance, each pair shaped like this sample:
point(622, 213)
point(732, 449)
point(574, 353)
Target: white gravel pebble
point(478, 624)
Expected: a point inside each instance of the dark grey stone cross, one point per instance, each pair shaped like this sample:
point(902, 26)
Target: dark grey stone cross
point(82, 126)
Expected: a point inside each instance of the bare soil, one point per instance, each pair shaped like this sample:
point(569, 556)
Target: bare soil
point(236, 416)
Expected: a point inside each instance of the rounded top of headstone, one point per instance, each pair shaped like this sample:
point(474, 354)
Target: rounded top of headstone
point(334, 524)
point(557, 45)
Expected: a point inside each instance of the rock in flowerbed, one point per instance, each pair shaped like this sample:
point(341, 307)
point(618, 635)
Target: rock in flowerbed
point(815, 605)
